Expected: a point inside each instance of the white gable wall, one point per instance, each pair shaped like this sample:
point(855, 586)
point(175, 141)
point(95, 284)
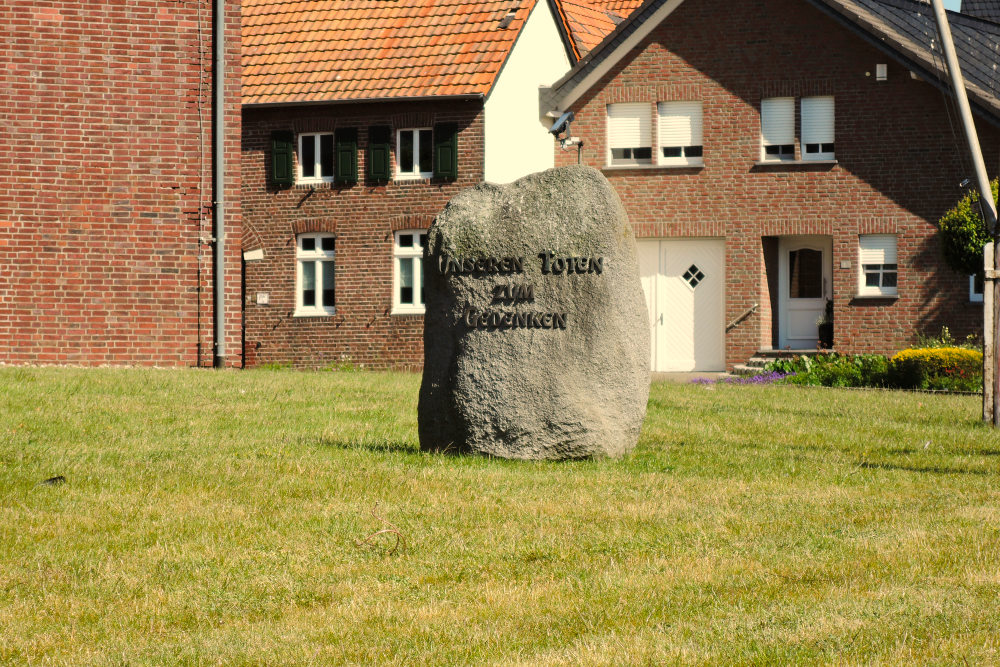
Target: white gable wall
point(517, 143)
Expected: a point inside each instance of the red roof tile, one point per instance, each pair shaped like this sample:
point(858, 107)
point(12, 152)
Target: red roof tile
point(588, 22)
point(621, 7)
point(336, 50)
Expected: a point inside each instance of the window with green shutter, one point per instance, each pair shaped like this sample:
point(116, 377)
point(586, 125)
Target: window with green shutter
point(446, 151)
point(414, 153)
point(282, 164)
point(377, 161)
point(346, 150)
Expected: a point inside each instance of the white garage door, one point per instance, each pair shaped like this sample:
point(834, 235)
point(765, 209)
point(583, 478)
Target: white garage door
point(684, 281)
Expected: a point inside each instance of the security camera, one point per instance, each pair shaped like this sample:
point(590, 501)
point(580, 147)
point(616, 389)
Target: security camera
point(562, 125)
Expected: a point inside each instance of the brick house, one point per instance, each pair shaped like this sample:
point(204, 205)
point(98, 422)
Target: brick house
point(360, 122)
point(785, 159)
point(107, 218)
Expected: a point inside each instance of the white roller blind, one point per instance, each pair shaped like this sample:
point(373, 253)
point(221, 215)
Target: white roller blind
point(817, 120)
point(630, 125)
point(877, 249)
point(680, 123)
point(777, 120)
point(817, 128)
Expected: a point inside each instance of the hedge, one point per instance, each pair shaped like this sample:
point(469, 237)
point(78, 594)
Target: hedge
point(952, 368)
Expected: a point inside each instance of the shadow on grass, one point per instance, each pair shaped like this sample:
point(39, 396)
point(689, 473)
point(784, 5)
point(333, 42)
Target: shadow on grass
point(375, 445)
point(936, 470)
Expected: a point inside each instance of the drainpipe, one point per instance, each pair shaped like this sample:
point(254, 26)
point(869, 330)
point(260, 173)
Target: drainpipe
point(219, 180)
point(991, 332)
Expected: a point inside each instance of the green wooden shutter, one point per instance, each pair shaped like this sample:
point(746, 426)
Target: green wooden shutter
point(446, 151)
point(282, 164)
point(345, 168)
point(379, 166)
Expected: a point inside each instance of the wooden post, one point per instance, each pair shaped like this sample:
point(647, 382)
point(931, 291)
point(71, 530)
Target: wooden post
point(989, 349)
point(990, 332)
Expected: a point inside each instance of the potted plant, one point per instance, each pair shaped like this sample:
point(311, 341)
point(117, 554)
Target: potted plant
point(825, 326)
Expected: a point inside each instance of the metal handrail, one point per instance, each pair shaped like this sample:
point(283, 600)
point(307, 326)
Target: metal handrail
point(750, 311)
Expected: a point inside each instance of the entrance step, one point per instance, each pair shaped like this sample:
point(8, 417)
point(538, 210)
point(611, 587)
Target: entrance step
point(755, 364)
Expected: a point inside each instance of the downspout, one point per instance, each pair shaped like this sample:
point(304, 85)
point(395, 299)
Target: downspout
point(990, 373)
point(219, 180)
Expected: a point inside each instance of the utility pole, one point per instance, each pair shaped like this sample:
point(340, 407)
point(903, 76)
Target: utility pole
point(991, 268)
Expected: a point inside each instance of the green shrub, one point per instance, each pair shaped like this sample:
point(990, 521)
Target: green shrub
point(947, 368)
point(964, 233)
point(834, 370)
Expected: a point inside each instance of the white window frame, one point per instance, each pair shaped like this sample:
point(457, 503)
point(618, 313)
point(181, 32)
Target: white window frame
point(629, 123)
point(414, 255)
point(881, 251)
point(414, 173)
point(777, 127)
point(974, 296)
point(316, 138)
point(679, 127)
point(818, 114)
point(323, 261)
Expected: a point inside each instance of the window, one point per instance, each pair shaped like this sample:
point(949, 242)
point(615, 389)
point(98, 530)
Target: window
point(777, 128)
point(976, 286)
point(877, 255)
point(314, 275)
point(316, 158)
point(415, 153)
point(408, 271)
point(630, 134)
point(817, 128)
point(680, 133)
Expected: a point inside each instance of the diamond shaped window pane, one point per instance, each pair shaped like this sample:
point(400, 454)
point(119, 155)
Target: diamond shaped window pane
point(693, 276)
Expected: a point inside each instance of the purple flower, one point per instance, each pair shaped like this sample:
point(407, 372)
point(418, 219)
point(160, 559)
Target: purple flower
point(763, 378)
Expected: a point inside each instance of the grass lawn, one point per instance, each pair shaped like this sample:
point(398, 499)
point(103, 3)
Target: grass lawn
point(213, 518)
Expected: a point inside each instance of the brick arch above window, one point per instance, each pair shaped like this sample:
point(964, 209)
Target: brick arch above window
point(626, 94)
point(680, 92)
point(319, 124)
point(878, 226)
point(413, 119)
point(410, 221)
point(308, 225)
point(797, 88)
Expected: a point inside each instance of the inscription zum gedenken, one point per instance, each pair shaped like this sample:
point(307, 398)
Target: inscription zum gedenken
point(552, 265)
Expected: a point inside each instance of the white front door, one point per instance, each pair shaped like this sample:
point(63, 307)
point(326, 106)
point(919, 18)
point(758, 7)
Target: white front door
point(684, 282)
point(805, 266)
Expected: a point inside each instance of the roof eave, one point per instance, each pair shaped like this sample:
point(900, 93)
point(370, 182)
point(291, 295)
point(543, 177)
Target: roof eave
point(470, 97)
point(609, 52)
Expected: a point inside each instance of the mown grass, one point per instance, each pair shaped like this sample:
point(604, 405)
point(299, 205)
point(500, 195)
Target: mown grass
point(213, 518)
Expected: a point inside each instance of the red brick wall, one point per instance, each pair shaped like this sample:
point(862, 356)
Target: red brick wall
point(364, 216)
point(105, 185)
point(900, 158)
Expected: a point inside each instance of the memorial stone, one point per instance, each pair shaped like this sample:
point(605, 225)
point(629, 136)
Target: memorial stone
point(536, 337)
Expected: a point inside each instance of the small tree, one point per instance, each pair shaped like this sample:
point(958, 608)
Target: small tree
point(964, 233)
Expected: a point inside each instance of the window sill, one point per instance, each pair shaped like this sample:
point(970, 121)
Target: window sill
point(875, 297)
point(323, 185)
point(654, 167)
point(414, 177)
point(314, 313)
point(795, 163)
point(407, 311)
